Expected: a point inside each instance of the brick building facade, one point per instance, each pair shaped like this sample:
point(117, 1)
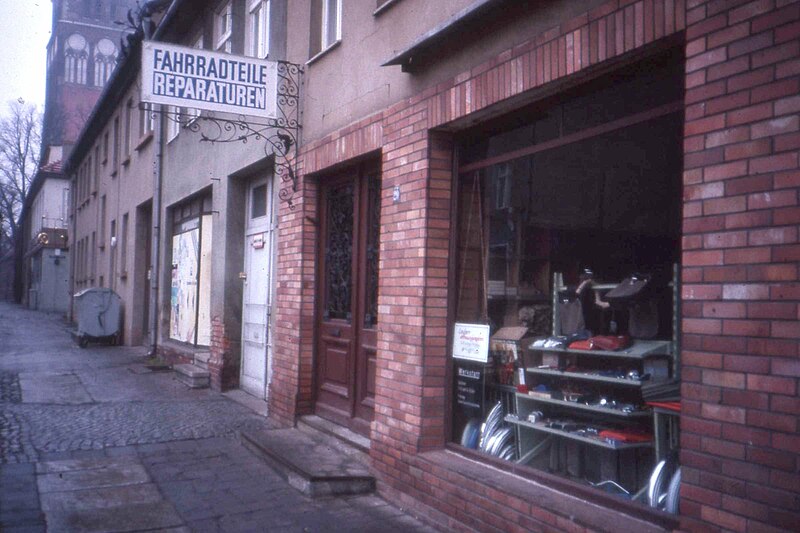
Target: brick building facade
point(739, 299)
point(384, 156)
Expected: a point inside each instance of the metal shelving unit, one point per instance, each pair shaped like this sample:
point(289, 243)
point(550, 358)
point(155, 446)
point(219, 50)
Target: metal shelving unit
point(584, 376)
point(594, 441)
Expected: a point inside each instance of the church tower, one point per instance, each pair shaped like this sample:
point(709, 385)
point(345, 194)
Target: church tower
point(81, 55)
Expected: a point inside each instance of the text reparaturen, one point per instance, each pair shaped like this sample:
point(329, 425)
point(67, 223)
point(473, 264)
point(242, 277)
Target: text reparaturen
point(184, 75)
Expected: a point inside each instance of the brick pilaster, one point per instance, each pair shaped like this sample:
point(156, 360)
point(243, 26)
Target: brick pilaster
point(740, 252)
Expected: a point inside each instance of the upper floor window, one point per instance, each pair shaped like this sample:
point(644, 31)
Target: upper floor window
point(76, 56)
point(326, 24)
point(128, 131)
point(105, 59)
point(147, 119)
point(173, 122)
point(115, 146)
point(223, 28)
point(105, 147)
point(257, 40)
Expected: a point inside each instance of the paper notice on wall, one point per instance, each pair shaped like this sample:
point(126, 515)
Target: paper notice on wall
point(471, 342)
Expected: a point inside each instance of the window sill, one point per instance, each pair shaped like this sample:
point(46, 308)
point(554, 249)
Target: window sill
point(123, 275)
point(321, 53)
point(144, 141)
point(587, 505)
point(384, 7)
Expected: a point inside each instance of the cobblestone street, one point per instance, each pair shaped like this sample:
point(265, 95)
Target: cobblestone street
point(90, 440)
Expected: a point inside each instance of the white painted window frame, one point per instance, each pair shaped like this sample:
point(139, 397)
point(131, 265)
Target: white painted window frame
point(258, 18)
point(223, 28)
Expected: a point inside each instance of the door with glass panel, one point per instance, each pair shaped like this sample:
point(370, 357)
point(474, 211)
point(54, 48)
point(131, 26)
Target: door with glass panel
point(257, 289)
point(347, 316)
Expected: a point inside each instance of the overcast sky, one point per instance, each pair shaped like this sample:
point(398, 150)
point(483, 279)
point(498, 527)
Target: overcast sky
point(25, 28)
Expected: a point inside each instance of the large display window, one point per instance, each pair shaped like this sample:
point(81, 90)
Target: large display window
point(568, 243)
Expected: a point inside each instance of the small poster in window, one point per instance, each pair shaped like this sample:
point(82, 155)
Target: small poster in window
point(471, 342)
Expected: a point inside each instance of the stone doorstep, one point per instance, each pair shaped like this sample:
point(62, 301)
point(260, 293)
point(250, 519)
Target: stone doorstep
point(350, 438)
point(201, 359)
point(312, 462)
point(192, 375)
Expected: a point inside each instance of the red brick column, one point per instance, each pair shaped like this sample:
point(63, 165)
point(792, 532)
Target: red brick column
point(224, 362)
point(740, 272)
point(399, 417)
point(290, 387)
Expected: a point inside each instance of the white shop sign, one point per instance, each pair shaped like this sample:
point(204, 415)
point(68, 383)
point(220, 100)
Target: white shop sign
point(188, 77)
point(471, 342)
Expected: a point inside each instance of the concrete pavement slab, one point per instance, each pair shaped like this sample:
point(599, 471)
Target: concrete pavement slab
point(102, 498)
point(105, 476)
point(122, 518)
point(71, 465)
point(63, 389)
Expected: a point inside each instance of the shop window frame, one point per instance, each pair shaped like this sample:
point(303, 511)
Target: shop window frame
point(549, 481)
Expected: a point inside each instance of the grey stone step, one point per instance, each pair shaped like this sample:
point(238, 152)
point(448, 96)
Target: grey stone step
point(312, 462)
point(192, 375)
point(201, 359)
point(350, 438)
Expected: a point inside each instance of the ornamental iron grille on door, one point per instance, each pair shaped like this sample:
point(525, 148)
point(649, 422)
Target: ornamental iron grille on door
point(339, 253)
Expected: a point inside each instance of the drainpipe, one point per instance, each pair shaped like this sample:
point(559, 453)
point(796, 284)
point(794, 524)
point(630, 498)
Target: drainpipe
point(155, 237)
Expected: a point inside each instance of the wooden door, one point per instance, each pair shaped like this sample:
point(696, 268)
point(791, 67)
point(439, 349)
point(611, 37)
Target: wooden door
point(348, 296)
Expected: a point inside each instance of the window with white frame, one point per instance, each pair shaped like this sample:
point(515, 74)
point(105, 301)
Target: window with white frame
point(257, 38)
point(326, 25)
point(223, 28)
point(128, 143)
point(115, 146)
point(146, 119)
point(173, 122)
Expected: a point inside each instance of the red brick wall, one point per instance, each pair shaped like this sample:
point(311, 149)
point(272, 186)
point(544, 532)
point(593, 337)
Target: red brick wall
point(740, 311)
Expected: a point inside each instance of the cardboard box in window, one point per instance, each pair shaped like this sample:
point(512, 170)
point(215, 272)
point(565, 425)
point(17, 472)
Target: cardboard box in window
point(507, 347)
point(508, 343)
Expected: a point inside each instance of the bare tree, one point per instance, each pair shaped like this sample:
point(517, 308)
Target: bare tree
point(20, 143)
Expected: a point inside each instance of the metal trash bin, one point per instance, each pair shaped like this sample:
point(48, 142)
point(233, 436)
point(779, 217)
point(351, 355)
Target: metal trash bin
point(98, 313)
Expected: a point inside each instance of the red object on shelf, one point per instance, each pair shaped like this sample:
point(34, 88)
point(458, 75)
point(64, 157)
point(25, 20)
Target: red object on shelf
point(626, 435)
point(609, 343)
point(672, 406)
point(581, 345)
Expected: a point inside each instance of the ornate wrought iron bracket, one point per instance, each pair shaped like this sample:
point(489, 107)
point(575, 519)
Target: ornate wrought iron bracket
point(280, 134)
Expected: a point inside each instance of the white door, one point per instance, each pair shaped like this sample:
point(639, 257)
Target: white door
point(257, 290)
